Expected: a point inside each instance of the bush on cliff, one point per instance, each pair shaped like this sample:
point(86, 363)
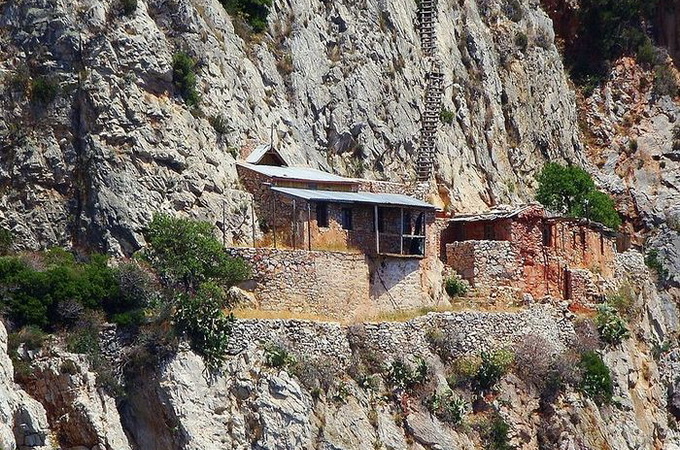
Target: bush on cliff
point(253, 11)
point(597, 381)
point(185, 254)
point(53, 287)
point(611, 326)
point(193, 264)
point(184, 77)
point(570, 190)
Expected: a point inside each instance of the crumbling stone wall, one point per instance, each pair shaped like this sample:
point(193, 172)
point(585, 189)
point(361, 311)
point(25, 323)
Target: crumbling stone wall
point(485, 263)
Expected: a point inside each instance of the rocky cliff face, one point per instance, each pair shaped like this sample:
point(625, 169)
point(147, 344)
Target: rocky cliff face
point(342, 87)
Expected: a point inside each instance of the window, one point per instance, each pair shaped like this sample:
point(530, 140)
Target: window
point(381, 221)
point(322, 214)
point(346, 218)
point(489, 232)
point(547, 235)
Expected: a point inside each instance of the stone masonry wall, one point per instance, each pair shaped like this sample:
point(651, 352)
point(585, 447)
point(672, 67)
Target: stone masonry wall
point(344, 286)
point(471, 332)
point(485, 263)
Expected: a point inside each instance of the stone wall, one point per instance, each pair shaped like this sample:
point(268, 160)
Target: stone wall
point(335, 284)
point(485, 263)
point(470, 331)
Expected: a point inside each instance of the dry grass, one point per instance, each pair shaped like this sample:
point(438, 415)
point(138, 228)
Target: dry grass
point(249, 313)
point(387, 316)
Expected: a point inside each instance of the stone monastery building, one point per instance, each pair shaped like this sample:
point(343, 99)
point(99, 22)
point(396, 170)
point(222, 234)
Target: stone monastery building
point(346, 248)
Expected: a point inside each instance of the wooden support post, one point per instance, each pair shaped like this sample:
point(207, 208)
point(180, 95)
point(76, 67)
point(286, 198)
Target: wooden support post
point(309, 226)
point(377, 233)
point(294, 223)
point(252, 217)
point(401, 232)
point(274, 220)
point(424, 225)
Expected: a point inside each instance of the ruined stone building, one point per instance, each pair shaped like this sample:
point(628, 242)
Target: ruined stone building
point(530, 251)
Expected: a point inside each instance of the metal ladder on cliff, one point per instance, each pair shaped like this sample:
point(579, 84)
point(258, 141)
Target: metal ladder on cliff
point(434, 90)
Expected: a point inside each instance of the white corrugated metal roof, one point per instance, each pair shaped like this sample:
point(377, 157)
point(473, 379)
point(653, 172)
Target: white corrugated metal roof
point(298, 173)
point(354, 197)
point(257, 154)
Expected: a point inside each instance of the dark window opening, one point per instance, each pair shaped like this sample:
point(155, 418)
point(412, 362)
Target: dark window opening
point(322, 214)
point(489, 232)
point(406, 224)
point(381, 220)
point(547, 235)
point(346, 218)
point(420, 228)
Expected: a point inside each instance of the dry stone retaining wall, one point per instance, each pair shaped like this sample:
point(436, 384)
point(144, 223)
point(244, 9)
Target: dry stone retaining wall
point(471, 332)
point(344, 286)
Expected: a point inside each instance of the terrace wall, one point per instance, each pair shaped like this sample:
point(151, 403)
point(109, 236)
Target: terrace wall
point(339, 285)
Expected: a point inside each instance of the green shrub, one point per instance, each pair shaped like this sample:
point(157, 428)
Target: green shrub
point(201, 318)
point(647, 53)
point(84, 340)
point(6, 240)
point(496, 436)
point(129, 6)
point(606, 30)
point(277, 356)
point(612, 328)
point(571, 191)
point(185, 253)
point(493, 367)
point(596, 382)
point(455, 287)
point(462, 371)
point(448, 407)
point(400, 375)
point(31, 336)
point(653, 261)
point(37, 297)
point(446, 116)
point(521, 40)
point(184, 77)
point(43, 90)
point(253, 11)
point(665, 82)
point(623, 300)
point(220, 125)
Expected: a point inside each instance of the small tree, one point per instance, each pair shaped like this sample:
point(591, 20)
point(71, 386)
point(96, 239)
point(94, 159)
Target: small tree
point(202, 319)
point(185, 253)
point(571, 191)
point(184, 77)
point(563, 189)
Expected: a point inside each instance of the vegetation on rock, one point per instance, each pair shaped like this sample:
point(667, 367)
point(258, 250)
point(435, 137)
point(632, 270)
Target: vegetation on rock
point(571, 191)
point(253, 11)
point(184, 77)
point(611, 326)
point(596, 382)
point(607, 29)
point(455, 287)
point(185, 254)
point(43, 91)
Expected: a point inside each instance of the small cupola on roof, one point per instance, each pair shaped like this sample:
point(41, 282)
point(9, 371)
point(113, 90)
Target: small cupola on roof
point(266, 155)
